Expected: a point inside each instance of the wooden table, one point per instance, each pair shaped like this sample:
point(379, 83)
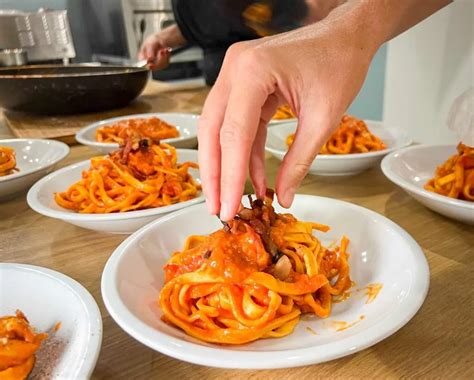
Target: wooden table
point(436, 343)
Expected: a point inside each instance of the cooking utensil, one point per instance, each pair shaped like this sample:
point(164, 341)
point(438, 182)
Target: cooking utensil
point(70, 89)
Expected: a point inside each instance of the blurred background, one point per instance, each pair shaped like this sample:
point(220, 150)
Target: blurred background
point(412, 81)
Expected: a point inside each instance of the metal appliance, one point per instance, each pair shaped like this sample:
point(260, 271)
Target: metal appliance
point(44, 35)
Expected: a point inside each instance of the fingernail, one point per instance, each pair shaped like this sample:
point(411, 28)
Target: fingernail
point(226, 212)
point(287, 198)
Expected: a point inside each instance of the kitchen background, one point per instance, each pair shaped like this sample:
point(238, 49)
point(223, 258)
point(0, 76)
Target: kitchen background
point(411, 83)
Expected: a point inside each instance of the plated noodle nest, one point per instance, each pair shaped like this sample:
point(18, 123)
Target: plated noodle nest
point(352, 136)
point(18, 345)
point(455, 177)
point(253, 278)
point(140, 175)
point(7, 161)
point(153, 128)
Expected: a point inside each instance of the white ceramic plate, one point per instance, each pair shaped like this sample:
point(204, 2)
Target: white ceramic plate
point(186, 123)
point(41, 199)
point(342, 164)
point(412, 167)
point(47, 297)
point(35, 158)
point(380, 252)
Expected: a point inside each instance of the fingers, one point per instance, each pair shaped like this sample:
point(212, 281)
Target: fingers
point(209, 151)
point(257, 161)
point(257, 155)
point(246, 99)
point(162, 59)
point(314, 128)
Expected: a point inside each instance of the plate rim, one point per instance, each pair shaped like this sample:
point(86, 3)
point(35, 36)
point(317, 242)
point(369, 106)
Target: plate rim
point(203, 355)
point(396, 179)
point(89, 304)
point(37, 206)
point(62, 149)
point(335, 157)
point(81, 139)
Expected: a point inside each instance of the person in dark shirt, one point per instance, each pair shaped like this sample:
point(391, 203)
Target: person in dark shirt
point(216, 25)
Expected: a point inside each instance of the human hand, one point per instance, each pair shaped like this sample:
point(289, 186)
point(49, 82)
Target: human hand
point(156, 52)
point(318, 70)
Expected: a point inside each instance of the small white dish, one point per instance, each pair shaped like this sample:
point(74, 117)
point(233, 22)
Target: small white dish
point(47, 297)
point(380, 252)
point(34, 159)
point(338, 164)
point(41, 199)
point(186, 123)
point(412, 167)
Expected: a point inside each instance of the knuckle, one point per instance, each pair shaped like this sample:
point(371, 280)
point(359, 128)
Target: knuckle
point(301, 168)
point(232, 133)
point(250, 60)
point(236, 49)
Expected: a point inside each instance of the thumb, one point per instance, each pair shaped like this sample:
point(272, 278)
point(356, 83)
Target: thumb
point(314, 128)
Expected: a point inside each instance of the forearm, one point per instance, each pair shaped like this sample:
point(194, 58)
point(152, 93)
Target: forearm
point(378, 21)
point(171, 36)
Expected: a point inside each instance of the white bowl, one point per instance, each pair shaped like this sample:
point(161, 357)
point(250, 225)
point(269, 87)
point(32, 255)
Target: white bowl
point(412, 167)
point(35, 158)
point(339, 164)
point(380, 252)
point(41, 199)
point(186, 123)
point(47, 297)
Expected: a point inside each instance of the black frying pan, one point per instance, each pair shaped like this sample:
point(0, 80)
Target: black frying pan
point(71, 89)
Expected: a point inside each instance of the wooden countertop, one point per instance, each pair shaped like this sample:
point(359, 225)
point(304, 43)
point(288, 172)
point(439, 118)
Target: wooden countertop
point(436, 343)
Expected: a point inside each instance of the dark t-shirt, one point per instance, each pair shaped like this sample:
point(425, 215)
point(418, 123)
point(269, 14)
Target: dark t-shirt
point(214, 25)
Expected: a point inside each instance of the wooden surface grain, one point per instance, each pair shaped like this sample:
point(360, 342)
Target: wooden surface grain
point(157, 97)
point(436, 343)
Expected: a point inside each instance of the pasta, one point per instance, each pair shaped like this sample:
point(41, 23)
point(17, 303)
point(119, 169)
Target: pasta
point(352, 136)
point(455, 177)
point(152, 128)
point(140, 175)
point(254, 278)
point(18, 345)
point(7, 161)
point(284, 112)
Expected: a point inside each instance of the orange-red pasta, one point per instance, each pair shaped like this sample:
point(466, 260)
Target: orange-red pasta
point(352, 136)
point(455, 177)
point(284, 112)
point(254, 278)
point(140, 175)
point(18, 345)
point(152, 128)
point(7, 161)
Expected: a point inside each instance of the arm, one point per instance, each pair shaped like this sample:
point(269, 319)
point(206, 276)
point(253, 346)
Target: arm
point(156, 48)
point(317, 69)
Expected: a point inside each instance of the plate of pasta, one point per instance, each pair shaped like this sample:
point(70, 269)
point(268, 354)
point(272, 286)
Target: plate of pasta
point(24, 161)
point(177, 129)
point(356, 145)
point(272, 288)
point(441, 177)
point(122, 191)
point(54, 321)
